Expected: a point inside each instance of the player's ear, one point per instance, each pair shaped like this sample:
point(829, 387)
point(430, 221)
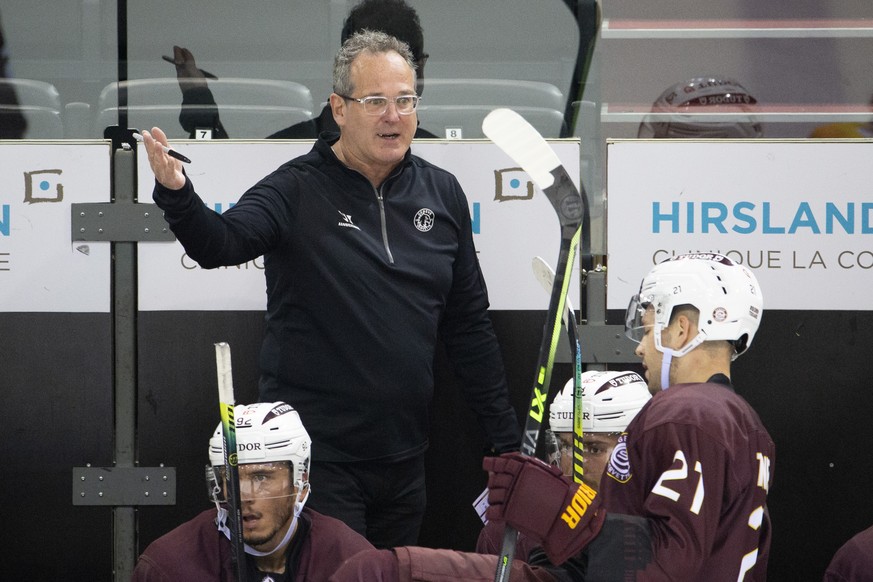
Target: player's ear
point(685, 329)
point(338, 108)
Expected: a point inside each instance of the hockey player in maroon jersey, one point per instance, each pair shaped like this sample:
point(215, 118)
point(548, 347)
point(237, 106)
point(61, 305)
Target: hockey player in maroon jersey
point(283, 540)
point(610, 400)
point(697, 462)
point(685, 493)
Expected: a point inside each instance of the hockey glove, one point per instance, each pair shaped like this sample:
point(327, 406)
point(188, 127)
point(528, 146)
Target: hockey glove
point(538, 501)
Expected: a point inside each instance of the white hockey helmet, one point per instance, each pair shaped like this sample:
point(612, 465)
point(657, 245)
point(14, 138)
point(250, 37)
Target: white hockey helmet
point(610, 400)
point(700, 95)
point(726, 294)
point(561, 409)
point(267, 432)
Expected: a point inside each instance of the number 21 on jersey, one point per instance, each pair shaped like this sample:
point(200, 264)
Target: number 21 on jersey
point(665, 488)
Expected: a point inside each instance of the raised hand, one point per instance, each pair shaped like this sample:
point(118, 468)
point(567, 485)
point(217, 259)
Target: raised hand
point(167, 170)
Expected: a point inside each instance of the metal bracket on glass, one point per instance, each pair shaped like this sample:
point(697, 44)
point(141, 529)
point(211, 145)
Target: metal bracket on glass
point(107, 221)
point(124, 486)
point(605, 344)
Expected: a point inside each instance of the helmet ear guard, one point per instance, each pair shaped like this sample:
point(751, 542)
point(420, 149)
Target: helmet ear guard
point(214, 485)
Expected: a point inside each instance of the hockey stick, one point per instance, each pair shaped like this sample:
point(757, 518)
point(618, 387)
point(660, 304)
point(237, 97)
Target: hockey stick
point(231, 470)
point(546, 276)
point(521, 142)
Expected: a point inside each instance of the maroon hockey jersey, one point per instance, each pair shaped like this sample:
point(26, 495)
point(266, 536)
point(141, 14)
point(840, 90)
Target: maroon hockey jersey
point(697, 464)
point(197, 552)
point(853, 562)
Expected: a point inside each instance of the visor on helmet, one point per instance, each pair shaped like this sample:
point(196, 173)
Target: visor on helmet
point(256, 481)
point(634, 328)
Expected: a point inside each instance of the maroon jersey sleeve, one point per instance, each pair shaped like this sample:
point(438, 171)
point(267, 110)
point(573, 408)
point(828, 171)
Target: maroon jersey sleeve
point(853, 562)
point(697, 466)
point(490, 541)
point(329, 544)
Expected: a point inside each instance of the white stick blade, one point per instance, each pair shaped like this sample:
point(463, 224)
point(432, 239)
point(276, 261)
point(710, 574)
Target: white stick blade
point(225, 373)
point(524, 144)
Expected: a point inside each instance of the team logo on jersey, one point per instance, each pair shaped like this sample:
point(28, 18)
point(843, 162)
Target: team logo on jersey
point(619, 464)
point(346, 222)
point(423, 220)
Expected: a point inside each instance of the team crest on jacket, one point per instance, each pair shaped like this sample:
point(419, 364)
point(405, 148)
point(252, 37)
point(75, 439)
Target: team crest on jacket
point(424, 219)
point(619, 464)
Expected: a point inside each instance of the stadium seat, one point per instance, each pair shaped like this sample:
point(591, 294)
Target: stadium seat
point(40, 105)
point(465, 121)
point(42, 122)
point(454, 108)
point(499, 92)
point(34, 93)
point(249, 108)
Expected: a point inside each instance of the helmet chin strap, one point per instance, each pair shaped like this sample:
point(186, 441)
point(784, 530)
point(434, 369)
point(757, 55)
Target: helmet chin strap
point(669, 353)
point(666, 359)
point(221, 523)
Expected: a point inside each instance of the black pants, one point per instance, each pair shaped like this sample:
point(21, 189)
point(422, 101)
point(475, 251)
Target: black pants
point(384, 502)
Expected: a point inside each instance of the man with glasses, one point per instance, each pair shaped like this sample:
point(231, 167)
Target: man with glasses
point(283, 540)
point(369, 260)
point(393, 17)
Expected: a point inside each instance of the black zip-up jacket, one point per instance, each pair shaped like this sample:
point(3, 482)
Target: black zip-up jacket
point(361, 282)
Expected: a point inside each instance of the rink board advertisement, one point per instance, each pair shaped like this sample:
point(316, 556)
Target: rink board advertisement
point(799, 214)
point(513, 222)
point(41, 270)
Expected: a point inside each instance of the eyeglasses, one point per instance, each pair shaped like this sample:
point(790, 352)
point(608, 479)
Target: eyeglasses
point(377, 105)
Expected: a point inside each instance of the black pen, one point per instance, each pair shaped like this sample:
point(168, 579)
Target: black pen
point(206, 74)
point(168, 151)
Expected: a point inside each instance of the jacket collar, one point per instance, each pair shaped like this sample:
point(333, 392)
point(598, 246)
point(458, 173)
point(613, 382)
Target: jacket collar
point(327, 138)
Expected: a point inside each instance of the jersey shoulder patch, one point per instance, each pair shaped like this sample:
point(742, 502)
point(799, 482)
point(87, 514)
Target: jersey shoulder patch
point(619, 462)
